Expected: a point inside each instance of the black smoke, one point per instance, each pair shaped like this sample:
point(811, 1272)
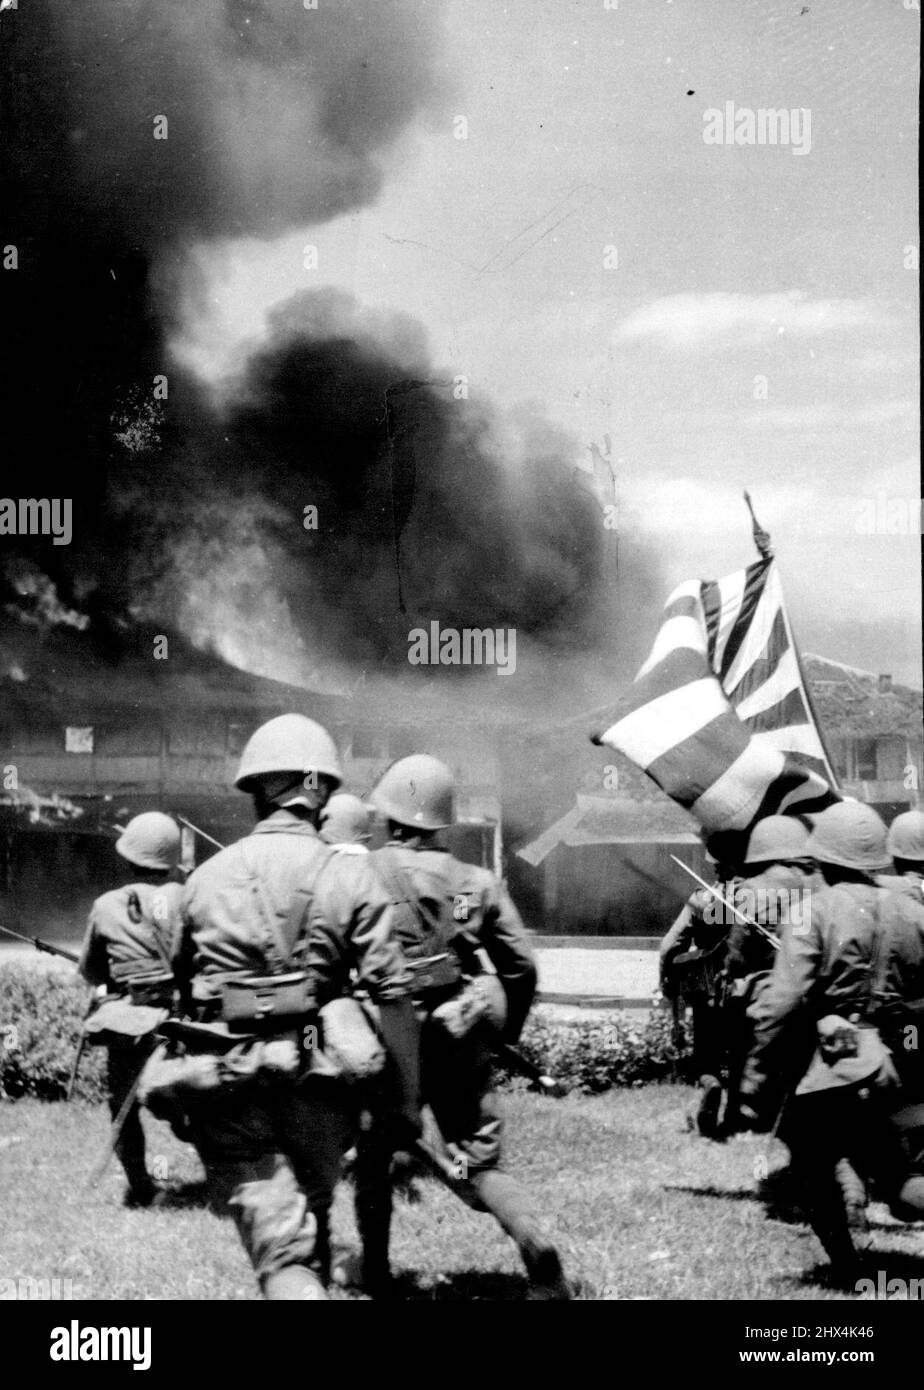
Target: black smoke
point(277, 116)
point(189, 511)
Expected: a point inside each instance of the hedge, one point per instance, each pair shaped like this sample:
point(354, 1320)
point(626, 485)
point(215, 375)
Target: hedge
point(41, 1011)
point(592, 1055)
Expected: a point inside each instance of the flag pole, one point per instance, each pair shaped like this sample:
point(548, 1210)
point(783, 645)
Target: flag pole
point(763, 543)
point(761, 537)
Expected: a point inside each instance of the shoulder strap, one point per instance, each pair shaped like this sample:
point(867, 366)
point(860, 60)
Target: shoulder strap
point(137, 914)
point(280, 938)
point(400, 889)
point(879, 961)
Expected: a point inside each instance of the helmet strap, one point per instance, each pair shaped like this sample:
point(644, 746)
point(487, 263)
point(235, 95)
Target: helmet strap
point(408, 834)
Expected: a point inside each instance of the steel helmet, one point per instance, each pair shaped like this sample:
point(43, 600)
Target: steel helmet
point(289, 743)
point(416, 791)
point(851, 835)
point(345, 820)
point(150, 841)
point(777, 838)
point(906, 836)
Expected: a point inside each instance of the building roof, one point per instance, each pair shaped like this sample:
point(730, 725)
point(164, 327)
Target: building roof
point(604, 820)
point(862, 704)
point(67, 675)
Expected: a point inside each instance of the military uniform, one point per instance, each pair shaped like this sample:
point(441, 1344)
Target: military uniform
point(701, 989)
point(837, 984)
point(273, 1147)
point(910, 883)
point(772, 899)
point(456, 1072)
point(131, 939)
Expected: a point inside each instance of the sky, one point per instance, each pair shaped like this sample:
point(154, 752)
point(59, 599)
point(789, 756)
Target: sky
point(715, 316)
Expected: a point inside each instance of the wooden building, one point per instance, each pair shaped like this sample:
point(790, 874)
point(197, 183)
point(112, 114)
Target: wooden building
point(88, 738)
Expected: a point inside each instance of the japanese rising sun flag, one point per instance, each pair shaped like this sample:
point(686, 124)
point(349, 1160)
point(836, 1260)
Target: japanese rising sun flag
point(719, 715)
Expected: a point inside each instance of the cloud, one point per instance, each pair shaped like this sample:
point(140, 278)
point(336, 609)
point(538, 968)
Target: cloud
point(831, 417)
point(693, 320)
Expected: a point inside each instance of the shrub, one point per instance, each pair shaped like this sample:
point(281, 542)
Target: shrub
point(41, 1010)
point(591, 1055)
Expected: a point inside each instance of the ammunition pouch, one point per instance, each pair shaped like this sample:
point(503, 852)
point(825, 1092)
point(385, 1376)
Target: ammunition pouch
point(349, 1040)
point(848, 1054)
point(265, 1003)
point(156, 989)
point(119, 1022)
point(434, 975)
point(172, 1084)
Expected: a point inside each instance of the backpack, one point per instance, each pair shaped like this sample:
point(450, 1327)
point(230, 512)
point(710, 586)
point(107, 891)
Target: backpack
point(425, 937)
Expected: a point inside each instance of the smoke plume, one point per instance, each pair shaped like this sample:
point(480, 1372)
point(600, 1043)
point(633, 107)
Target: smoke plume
point(137, 129)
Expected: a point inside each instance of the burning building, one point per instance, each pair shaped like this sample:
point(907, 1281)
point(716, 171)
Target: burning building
point(86, 742)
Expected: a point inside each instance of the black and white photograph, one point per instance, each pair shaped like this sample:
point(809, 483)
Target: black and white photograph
point(461, 715)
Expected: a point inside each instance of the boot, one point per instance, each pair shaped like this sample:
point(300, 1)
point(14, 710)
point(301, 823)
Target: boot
point(373, 1204)
point(707, 1114)
point(293, 1282)
point(511, 1208)
point(853, 1192)
point(908, 1203)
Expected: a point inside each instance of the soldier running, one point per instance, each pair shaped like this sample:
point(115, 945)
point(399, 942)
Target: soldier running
point(830, 1025)
point(128, 954)
point(275, 924)
point(475, 978)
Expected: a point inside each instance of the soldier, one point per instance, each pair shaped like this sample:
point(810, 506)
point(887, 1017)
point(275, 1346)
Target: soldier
point(479, 986)
point(834, 1006)
point(905, 844)
point(698, 980)
point(778, 871)
point(274, 925)
point(346, 823)
point(128, 955)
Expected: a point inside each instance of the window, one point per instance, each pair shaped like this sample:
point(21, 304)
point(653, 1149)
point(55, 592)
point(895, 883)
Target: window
point(892, 755)
point(865, 755)
point(78, 739)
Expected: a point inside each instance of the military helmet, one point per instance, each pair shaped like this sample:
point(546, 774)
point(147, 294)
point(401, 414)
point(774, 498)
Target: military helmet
point(851, 835)
point(150, 841)
point(417, 792)
point(906, 836)
point(775, 839)
point(345, 820)
point(289, 743)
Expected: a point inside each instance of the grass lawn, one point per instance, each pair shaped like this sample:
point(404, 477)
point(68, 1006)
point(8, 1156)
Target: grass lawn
point(642, 1209)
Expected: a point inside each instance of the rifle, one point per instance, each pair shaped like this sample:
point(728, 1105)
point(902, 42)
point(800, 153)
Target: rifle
point(714, 892)
point(41, 945)
point(196, 831)
point(504, 1051)
point(118, 1125)
point(514, 1059)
